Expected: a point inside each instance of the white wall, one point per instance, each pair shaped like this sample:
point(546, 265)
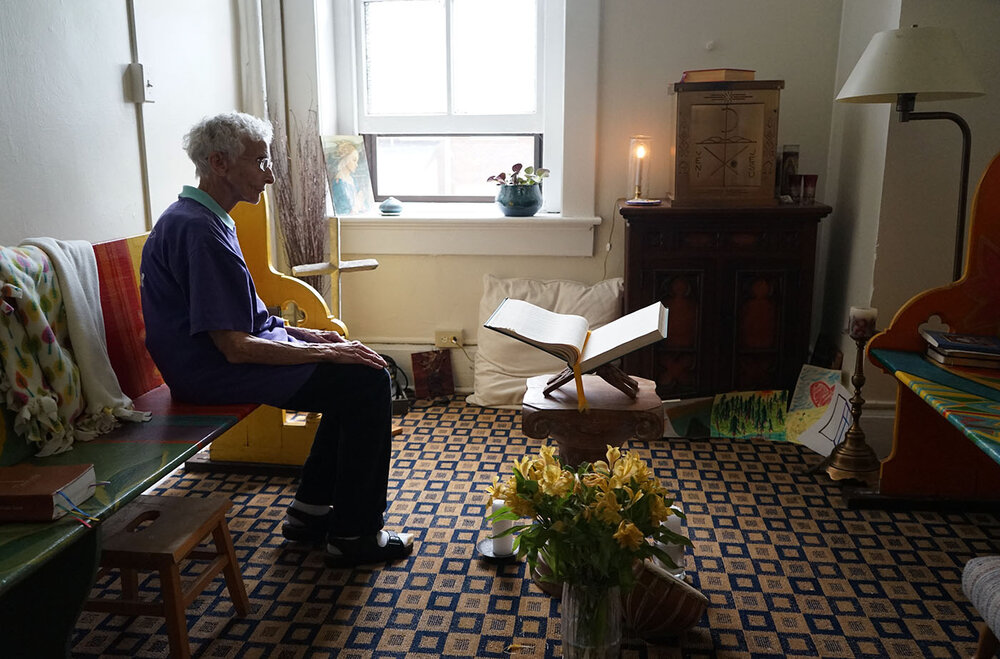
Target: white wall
point(70, 165)
point(644, 46)
point(70, 140)
point(897, 199)
point(195, 67)
point(857, 168)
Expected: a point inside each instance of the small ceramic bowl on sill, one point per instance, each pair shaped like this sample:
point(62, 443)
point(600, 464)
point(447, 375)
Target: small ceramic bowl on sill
point(391, 207)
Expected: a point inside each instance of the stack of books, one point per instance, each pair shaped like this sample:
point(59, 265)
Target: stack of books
point(953, 349)
point(717, 75)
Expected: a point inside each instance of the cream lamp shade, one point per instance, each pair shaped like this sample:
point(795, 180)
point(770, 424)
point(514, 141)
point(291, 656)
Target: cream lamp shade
point(926, 61)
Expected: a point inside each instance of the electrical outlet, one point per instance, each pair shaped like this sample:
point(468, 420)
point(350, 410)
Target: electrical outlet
point(448, 339)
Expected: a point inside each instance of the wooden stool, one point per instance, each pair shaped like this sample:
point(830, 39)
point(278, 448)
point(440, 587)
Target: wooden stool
point(583, 436)
point(157, 533)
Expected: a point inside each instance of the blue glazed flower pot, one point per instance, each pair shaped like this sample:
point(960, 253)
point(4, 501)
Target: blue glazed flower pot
point(519, 200)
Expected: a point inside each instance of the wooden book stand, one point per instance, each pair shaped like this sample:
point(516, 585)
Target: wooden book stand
point(610, 373)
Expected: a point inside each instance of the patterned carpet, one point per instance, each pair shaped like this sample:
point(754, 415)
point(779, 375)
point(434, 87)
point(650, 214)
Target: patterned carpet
point(788, 569)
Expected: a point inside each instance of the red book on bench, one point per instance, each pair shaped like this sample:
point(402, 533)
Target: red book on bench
point(31, 493)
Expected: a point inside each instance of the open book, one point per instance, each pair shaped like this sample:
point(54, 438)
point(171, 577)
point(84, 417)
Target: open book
point(568, 336)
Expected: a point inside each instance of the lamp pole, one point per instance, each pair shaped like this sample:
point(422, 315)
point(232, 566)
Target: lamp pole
point(904, 105)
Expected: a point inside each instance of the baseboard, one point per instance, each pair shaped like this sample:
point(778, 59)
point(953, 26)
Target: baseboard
point(877, 420)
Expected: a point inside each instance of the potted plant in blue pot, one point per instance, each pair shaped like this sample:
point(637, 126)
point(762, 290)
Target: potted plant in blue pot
point(520, 193)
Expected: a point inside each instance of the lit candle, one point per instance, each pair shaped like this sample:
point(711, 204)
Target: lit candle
point(502, 546)
point(861, 323)
point(640, 153)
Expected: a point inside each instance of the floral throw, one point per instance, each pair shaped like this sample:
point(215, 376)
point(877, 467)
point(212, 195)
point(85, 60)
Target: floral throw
point(39, 380)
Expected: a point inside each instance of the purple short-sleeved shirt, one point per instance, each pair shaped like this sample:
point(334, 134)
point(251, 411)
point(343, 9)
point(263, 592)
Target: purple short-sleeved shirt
point(194, 280)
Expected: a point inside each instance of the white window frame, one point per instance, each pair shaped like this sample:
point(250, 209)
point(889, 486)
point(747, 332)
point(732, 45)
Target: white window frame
point(566, 224)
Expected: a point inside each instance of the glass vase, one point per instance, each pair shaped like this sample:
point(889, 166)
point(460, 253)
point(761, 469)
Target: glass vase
point(591, 622)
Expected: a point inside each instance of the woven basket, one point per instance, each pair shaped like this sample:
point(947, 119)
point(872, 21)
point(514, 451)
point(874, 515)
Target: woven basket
point(661, 605)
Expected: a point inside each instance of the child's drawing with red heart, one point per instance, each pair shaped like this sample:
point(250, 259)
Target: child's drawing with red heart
point(820, 393)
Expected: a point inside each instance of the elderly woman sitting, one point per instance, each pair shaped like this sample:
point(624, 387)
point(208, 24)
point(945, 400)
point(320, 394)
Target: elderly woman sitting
point(214, 342)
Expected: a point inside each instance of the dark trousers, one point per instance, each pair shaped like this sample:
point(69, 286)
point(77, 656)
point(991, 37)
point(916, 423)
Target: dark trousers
point(348, 466)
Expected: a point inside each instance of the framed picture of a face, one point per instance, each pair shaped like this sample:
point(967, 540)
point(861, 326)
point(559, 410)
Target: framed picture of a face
point(347, 171)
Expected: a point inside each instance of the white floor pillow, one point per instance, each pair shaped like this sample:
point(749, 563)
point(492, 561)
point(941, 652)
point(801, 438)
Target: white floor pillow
point(504, 364)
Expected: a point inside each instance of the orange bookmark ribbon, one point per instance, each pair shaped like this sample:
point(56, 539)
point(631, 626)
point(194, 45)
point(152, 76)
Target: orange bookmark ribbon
point(581, 399)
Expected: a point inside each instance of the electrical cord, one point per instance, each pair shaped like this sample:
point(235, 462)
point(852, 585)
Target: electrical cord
point(464, 352)
point(607, 247)
point(396, 374)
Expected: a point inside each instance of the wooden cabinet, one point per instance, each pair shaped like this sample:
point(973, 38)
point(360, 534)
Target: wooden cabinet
point(738, 282)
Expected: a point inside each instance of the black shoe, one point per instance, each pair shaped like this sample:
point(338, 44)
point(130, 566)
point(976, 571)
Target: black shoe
point(363, 551)
point(305, 528)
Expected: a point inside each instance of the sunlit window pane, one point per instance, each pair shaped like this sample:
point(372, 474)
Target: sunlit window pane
point(494, 57)
point(447, 165)
point(406, 57)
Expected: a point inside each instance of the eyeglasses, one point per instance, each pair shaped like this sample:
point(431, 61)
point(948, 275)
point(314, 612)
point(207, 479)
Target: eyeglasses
point(263, 162)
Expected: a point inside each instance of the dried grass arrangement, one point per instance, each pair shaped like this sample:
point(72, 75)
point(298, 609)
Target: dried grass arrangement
point(301, 208)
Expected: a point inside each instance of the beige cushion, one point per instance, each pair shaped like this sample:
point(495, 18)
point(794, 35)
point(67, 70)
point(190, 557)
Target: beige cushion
point(504, 364)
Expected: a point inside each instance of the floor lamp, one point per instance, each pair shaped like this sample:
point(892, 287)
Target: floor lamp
point(925, 63)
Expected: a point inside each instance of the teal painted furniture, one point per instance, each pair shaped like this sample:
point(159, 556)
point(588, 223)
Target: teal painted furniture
point(47, 569)
point(946, 440)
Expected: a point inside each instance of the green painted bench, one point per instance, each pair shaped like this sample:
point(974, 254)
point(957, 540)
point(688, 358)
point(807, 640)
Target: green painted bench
point(47, 569)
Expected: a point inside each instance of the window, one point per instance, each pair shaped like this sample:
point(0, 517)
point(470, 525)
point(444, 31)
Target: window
point(437, 167)
point(567, 102)
point(448, 89)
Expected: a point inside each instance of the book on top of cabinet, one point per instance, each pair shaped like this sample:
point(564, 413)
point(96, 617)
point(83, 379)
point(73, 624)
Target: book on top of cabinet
point(717, 75)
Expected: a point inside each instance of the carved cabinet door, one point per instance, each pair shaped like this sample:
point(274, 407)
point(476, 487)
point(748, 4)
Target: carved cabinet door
point(738, 286)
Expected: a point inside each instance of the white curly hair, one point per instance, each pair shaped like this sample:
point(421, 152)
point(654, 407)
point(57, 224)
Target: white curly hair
point(224, 133)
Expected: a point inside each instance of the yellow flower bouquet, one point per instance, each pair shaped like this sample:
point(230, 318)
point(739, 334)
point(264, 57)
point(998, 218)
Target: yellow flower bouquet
point(591, 524)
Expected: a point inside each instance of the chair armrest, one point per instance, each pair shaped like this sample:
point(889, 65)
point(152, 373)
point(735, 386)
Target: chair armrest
point(299, 303)
point(310, 269)
point(275, 288)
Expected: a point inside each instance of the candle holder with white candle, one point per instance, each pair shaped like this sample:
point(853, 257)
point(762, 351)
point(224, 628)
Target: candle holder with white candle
point(639, 158)
point(502, 545)
point(853, 458)
point(497, 546)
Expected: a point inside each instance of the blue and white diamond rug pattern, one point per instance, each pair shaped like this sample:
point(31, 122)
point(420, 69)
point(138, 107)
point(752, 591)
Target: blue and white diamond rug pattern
point(788, 569)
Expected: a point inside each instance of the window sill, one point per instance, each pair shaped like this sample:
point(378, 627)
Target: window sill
point(467, 229)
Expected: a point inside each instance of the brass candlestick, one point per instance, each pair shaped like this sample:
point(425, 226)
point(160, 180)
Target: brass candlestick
point(853, 458)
